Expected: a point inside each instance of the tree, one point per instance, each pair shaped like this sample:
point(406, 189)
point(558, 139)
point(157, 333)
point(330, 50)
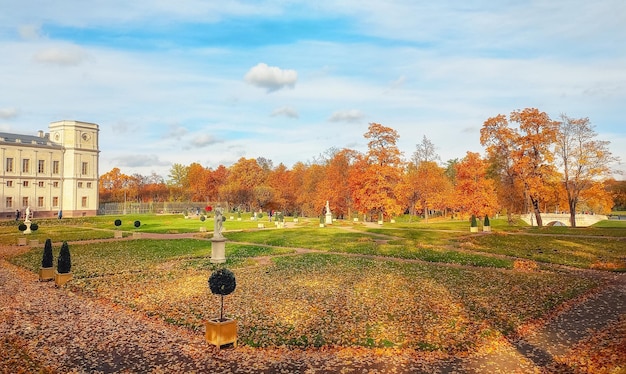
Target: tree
point(426, 187)
point(425, 152)
point(584, 160)
point(374, 177)
point(522, 155)
point(475, 194)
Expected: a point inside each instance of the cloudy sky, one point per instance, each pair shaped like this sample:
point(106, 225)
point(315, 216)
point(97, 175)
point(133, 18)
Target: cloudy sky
point(212, 81)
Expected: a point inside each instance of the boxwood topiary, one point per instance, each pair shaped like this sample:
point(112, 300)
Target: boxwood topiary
point(222, 282)
point(137, 223)
point(64, 263)
point(474, 223)
point(118, 222)
point(22, 227)
point(486, 221)
point(34, 227)
point(46, 261)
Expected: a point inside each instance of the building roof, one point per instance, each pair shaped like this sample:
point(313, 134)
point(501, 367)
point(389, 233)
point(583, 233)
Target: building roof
point(40, 140)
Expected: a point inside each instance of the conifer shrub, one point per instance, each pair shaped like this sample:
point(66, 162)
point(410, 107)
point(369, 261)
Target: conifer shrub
point(64, 263)
point(474, 223)
point(486, 221)
point(46, 261)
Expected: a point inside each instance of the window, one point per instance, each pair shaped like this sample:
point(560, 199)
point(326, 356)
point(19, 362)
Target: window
point(40, 201)
point(80, 184)
point(41, 167)
point(84, 202)
point(41, 184)
point(85, 168)
point(26, 165)
point(88, 184)
point(25, 201)
point(55, 184)
point(55, 167)
point(9, 183)
point(55, 201)
point(25, 183)
point(9, 202)
point(9, 164)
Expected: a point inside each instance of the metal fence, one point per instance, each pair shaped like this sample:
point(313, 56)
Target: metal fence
point(157, 208)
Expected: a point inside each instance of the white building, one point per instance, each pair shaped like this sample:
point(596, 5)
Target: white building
point(50, 172)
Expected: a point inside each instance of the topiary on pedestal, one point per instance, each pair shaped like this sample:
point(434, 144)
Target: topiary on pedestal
point(64, 263)
point(46, 261)
point(473, 224)
point(222, 282)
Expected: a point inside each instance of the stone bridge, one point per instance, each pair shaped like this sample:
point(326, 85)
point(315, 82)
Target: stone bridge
point(550, 219)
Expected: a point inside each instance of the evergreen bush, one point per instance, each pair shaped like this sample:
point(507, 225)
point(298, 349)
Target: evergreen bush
point(474, 223)
point(222, 282)
point(486, 221)
point(118, 222)
point(202, 218)
point(34, 227)
point(22, 227)
point(64, 263)
point(46, 261)
point(137, 223)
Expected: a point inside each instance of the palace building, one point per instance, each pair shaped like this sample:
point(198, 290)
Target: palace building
point(50, 173)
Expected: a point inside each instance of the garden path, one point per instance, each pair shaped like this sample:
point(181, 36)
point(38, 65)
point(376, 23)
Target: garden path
point(64, 331)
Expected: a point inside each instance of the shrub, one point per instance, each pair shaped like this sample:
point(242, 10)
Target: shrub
point(260, 215)
point(137, 223)
point(118, 222)
point(46, 261)
point(486, 222)
point(22, 227)
point(202, 218)
point(222, 282)
point(34, 227)
point(64, 263)
point(474, 223)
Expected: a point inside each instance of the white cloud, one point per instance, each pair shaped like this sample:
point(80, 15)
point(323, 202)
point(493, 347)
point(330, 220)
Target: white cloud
point(29, 32)
point(8, 113)
point(286, 112)
point(203, 140)
point(352, 115)
point(271, 77)
point(139, 160)
point(62, 56)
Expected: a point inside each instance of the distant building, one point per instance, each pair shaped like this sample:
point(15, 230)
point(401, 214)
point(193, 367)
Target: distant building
point(50, 172)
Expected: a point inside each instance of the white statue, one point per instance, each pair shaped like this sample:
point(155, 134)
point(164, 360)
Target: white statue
point(327, 207)
point(27, 215)
point(219, 223)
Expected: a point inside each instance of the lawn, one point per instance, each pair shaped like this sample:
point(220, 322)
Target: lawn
point(393, 286)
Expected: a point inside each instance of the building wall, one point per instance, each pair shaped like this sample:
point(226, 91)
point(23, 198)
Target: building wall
point(50, 171)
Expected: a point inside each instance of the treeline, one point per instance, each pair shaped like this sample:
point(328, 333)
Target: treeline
point(532, 164)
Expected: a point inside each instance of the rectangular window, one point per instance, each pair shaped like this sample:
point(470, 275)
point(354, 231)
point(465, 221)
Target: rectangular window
point(55, 167)
point(88, 184)
point(9, 202)
point(41, 184)
point(55, 201)
point(55, 184)
point(41, 167)
point(26, 165)
point(9, 183)
point(85, 168)
point(25, 201)
point(40, 201)
point(25, 183)
point(9, 164)
point(84, 202)
point(80, 184)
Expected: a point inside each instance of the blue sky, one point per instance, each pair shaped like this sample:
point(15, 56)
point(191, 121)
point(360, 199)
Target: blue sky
point(213, 81)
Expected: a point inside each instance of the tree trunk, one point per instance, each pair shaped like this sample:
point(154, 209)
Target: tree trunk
point(537, 212)
point(572, 213)
point(425, 211)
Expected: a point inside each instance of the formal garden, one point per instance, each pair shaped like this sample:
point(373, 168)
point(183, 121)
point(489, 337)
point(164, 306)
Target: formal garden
point(425, 288)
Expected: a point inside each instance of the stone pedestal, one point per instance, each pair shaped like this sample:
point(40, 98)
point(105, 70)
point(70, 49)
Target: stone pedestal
point(329, 218)
point(27, 231)
point(218, 250)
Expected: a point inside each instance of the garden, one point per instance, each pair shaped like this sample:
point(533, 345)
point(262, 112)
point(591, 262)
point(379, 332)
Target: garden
point(412, 287)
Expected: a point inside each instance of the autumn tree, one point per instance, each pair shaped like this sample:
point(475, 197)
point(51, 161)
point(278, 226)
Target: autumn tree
point(584, 160)
point(522, 155)
point(374, 177)
point(335, 187)
point(426, 187)
point(243, 177)
point(475, 194)
point(178, 182)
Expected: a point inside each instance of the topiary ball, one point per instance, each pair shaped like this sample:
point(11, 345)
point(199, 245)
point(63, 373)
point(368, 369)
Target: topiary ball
point(118, 222)
point(222, 282)
point(22, 227)
point(137, 223)
point(34, 227)
point(202, 218)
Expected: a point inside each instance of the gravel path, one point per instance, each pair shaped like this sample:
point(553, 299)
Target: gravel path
point(67, 332)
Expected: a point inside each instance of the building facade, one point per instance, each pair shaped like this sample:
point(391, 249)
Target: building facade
point(50, 173)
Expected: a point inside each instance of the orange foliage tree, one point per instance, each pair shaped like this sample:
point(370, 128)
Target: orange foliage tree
point(475, 194)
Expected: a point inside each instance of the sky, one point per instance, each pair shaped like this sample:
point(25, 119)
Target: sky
point(212, 81)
